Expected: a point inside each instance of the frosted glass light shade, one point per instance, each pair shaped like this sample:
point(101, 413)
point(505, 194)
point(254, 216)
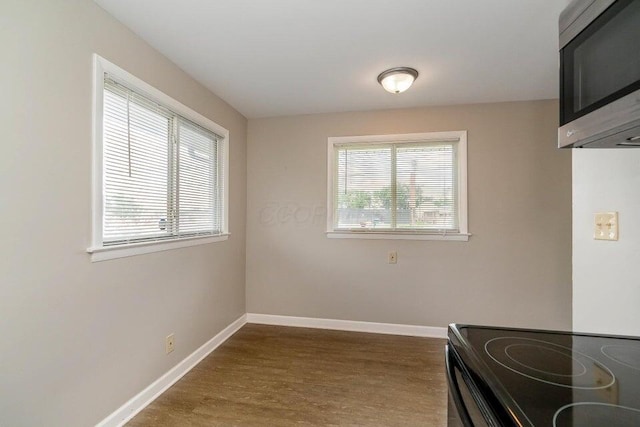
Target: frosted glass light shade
point(397, 80)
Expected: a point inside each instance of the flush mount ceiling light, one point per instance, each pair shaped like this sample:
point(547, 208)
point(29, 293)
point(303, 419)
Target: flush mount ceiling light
point(397, 80)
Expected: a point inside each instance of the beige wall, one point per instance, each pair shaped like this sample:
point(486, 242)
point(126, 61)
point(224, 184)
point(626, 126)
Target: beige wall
point(515, 270)
point(80, 338)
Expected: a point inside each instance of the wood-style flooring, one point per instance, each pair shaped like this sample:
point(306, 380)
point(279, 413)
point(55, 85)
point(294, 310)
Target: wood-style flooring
point(282, 376)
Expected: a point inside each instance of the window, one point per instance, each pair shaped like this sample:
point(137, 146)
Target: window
point(160, 170)
point(410, 186)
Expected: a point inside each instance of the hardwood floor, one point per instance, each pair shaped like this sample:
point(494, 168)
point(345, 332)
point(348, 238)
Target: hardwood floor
point(281, 376)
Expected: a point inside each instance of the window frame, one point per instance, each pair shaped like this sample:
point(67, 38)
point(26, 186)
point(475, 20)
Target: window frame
point(398, 139)
point(98, 250)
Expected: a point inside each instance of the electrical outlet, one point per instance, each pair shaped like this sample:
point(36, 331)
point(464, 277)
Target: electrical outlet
point(393, 257)
point(170, 343)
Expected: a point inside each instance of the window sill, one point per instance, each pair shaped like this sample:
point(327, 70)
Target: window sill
point(103, 253)
point(390, 235)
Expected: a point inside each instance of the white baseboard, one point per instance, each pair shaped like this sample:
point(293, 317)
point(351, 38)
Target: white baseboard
point(137, 403)
point(348, 325)
point(149, 394)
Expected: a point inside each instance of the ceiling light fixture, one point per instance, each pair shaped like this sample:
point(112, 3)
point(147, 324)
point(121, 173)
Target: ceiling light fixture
point(397, 80)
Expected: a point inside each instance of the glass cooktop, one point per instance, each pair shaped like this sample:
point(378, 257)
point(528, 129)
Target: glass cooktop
point(555, 379)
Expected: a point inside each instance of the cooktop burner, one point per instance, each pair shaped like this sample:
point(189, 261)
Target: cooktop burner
point(548, 378)
point(597, 414)
point(549, 363)
point(624, 355)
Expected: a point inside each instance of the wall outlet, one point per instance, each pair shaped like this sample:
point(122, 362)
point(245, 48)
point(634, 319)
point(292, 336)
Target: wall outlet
point(170, 343)
point(393, 257)
point(606, 226)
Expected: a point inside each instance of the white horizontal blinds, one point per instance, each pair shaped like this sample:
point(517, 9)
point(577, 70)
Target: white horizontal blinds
point(426, 187)
point(162, 172)
point(136, 154)
point(198, 209)
point(396, 186)
point(363, 199)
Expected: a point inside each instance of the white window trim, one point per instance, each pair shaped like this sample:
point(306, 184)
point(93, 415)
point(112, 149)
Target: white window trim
point(460, 136)
point(100, 252)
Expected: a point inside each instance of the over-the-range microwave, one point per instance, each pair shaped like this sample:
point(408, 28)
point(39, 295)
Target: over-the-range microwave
point(600, 74)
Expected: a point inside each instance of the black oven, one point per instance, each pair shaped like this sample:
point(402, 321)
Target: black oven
point(600, 73)
point(508, 377)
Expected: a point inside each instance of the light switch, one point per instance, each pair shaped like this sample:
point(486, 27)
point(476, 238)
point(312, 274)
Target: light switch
point(606, 226)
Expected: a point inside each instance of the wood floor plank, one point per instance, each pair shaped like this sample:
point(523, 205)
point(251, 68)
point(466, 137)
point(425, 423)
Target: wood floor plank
point(283, 376)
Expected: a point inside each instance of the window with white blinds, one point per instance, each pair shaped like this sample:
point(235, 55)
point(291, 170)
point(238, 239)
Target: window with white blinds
point(162, 174)
point(411, 184)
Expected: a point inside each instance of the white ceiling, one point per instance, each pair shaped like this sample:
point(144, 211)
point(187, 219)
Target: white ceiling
point(283, 57)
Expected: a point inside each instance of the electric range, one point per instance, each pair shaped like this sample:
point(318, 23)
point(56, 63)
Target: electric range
point(522, 377)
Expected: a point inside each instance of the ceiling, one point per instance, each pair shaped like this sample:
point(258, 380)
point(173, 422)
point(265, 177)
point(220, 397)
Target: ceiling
point(283, 57)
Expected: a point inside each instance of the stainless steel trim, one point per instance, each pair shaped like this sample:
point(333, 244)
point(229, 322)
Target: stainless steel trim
point(605, 127)
point(577, 16)
point(573, 10)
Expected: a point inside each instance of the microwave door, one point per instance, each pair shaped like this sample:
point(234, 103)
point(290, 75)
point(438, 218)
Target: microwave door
point(602, 63)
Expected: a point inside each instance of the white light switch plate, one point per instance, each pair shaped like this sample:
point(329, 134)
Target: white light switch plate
point(606, 226)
